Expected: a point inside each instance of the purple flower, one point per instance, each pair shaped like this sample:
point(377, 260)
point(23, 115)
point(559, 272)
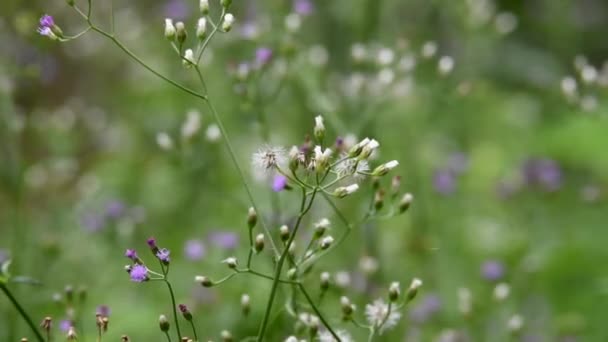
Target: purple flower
point(263, 55)
point(152, 243)
point(194, 250)
point(163, 255)
point(115, 209)
point(303, 7)
point(64, 325)
point(279, 183)
point(45, 31)
point(93, 222)
point(131, 254)
point(544, 173)
point(492, 270)
point(46, 21)
point(139, 273)
point(224, 240)
point(176, 9)
point(103, 310)
point(444, 182)
point(430, 305)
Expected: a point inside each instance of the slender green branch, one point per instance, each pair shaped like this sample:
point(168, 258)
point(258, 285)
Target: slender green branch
point(22, 312)
point(194, 331)
point(168, 337)
point(179, 334)
point(317, 311)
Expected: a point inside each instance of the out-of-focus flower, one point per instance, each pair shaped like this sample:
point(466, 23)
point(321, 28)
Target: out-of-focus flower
point(93, 222)
point(263, 55)
point(303, 7)
point(224, 239)
point(425, 309)
point(64, 325)
point(444, 181)
point(492, 270)
point(176, 9)
point(115, 209)
point(269, 157)
point(326, 336)
point(139, 273)
point(378, 315)
point(131, 254)
point(544, 173)
point(4, 256)
point(103, 310)
point(194, 250)
point(279, 183)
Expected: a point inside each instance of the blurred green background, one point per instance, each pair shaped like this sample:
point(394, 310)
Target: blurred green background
point(504, 151)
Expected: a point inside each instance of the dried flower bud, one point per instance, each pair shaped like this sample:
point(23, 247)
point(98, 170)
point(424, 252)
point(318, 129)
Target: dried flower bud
point(252, 218)
point(201, 28)
point(180, 32)
point(344, 191)
point(72, 336)
point(321, 227)
point(319, 129)
point(226, 336)
point(204, 7)
point(163, 323)
point(405, 202)
point(385, 168)
point(204, 281)
point(170, 30)
point(231, 262)
point(324, 280)
point(105, 321)
point(228, 21)
point(394, 291)
point(185, 312)
point(259, 243)
point(326, 242)
point(284, 233)
point(413, 289)
point(47, 324)
point(245, 304)
point(379, 199)
point(125, 338)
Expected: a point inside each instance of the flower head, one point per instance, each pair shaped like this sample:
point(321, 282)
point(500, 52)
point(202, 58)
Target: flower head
point(103, 310)
point(163, 255)
point(194, 250)
point(303, 7)
point(378, 315)
point(354, 167)
point(326, 336)
point(139, 273)
point(131, 254)
point(492, 270)
point(269, 157)
point(47, 21)
point(263, 55)
point(279, 183)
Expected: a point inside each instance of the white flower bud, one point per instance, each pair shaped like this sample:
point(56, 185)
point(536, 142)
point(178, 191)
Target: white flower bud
point(326, 242)
point(394, 291)
point(385, 168)
point(413, 289)
point(191, 125)
point(319, 129)
point(228, 21)
point(164, 141)
point(201, 28)
point(204, 7)
point(515, 323)
point(344, 191)
point(231, 262)
point(245, 304)
point(169, 29)
point(445, 65)
point(293, 22)
point(368, 149)
point(189, 58)
point(501, 291)
point(405, 202)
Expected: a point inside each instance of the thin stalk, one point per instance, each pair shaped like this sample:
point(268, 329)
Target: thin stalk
point(22, 312)
point(194, 331)
point(168, 337)
point(179, 334)
point(317, 311)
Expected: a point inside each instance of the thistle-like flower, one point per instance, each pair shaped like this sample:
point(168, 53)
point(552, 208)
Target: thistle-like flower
point(269, 158)
point(378, 315)
point(326, 336)
point(139, 273)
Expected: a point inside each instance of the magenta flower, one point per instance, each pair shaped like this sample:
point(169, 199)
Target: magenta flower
point(279, 183)
point(194, 250)
point(47, 21)
point(139, 273)
point(163, 255)
point(131, 254)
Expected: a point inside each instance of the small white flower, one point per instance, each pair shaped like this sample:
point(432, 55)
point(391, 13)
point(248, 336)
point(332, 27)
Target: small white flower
point(378, 315)
point(228, 22)
point(416, 283)
point(445, 65)
point(164, 141)
point(189, 58)
point(569, 86)
point(326, 336)
point(319, 129)
point(342, 279)
point(323, 223)
point(213, 133)
point(505, 22)
point(465, 301)
point(293, 22)
point(368, 148)
point(291, 339)
point(589, 74)
point(201, 28)
point(245, 299)
point(169, 29)
point(204, 6)
point(231, 262)
point(326, 242)
point(354, 167)
point(385, 56)
point(269, 157)
point(191, 125)
point(515, 323)
point(368, 264)
point(429, 49)
point(352, 188)
point(501, 291)
point(407, 63)
point(358, 52)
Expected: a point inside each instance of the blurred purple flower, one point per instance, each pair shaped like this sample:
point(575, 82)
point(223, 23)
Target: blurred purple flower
point(249, 30)
point(176, 9)
point(47, 21)
point(64, 325)
point(139, 273)
point(492, 270)
point(430, 305)
point(544, 173)
point(303, 7)
point(151, 243)
point(103, 310)
point(115, 209)
point(93, 222)
point(131, 254)
point(224, 240)
point(263, 55)
point(194, 250)
point(279, 183)
point(163, 255)
point(458, 163)
point(444, 182)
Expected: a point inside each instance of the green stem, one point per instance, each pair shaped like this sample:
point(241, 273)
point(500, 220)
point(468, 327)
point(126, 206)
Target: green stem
point(194, 331)
point(317, 311)
point(22, 312)
point(168, 337)
point(279, 267)
point(179, 334)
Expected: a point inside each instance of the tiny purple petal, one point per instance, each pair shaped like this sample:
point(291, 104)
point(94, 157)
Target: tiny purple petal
point(45, 31)
point(279, 183)
point(46, 21)
point(131, 254)
point(163, 255)
point(224, 240)
point(139, 273)
point(194, 250)
point(492, 270)
point(64, 325)
point(303, 7)
point(263, 55)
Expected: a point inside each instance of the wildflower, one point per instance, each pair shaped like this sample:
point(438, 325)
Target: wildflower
point(368, 148)
point(259, 243)
point(405, 202)
point(515, 323)
point(428, 306)
point(139, 273)
point(204, 281)
point(152, 244)
point(72, 336)
point(465, 301)
point(103, 310)
point(492, 270)
point(296, 158)
point(501, 291)
point(164, 141)
point(228, 21)
point(185, 312)
point(163, 323)
point(326, 242)
point(46, 324)
point(263, 55)
point(191, 125)
point(213, 133)
point(204, 7)
point(444, 182)
point(131, 254)
point(321, 160)
point(321, 227)
point(319, 129)
point(545, 173)
point(569, 86)
point(284, 232)
point(378, 315)
point(269, 157)
point(324, 280)
point(201, 28)
point(385, 168)
point(188, 58)
point(394, 291)
point(169, 29)
point(429, 49)
point(245, 304)
point(279, 183)
point(48, 28)
point(224, 239)
point(343, 279)
point(64, 325)
point(231, 262)
point(505, 22)
point(293, 22)
point(115, 209)
point(385, 56)
point(413, 289)
point(252, 217)
point(354, 167)
point(347, 307)
point(163, 255)
point(445, 65)
point(93, 222)
point(194, 250)
point(303, 7)
point(326, 336)
point(368, 265)
point(180, 32)
point(344, 191)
